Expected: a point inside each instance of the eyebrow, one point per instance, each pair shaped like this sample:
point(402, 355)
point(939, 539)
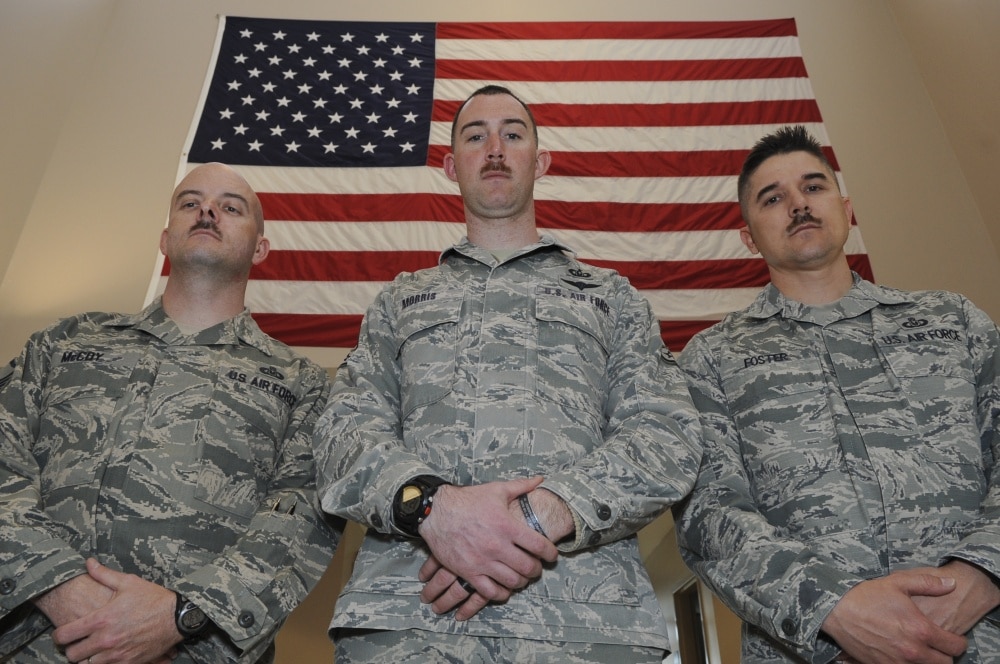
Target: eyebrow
point(197, 192)
point(482, 123)
point(808, 177)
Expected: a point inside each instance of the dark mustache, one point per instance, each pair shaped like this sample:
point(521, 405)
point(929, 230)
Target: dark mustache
point(802, 218)
point(206, 225)
point(495, 166)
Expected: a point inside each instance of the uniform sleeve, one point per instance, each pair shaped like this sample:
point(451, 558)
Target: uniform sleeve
point(359, 439)
point(981, 543)
point(651, 447)
point(249, 590)
point(770, 581)
point(34, 555)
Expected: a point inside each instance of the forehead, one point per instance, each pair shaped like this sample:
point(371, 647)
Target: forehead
point(211, 181)
point(787, 167)
point(492, 108)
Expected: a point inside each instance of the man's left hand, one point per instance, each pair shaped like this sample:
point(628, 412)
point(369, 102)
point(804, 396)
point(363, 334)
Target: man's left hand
point(135, 627)
point(975, 595)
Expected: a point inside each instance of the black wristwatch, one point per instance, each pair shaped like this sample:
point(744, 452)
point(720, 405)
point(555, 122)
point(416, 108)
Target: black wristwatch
point(413, 503)
point(191, 621)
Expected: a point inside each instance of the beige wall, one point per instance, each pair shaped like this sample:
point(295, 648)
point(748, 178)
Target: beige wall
point(98, 97)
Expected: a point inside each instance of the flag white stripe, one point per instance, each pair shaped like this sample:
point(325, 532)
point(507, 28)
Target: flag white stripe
point(559, 50)
point(436, 236)
point(646, 139)
point(638, 92)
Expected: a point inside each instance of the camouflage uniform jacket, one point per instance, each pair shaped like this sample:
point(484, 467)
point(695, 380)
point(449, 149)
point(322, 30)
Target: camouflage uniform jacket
point(842, 443)
point(185, 460)
point(478, 371)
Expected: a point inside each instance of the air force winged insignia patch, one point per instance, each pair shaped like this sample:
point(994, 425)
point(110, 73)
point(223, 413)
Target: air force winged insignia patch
point(578, 283)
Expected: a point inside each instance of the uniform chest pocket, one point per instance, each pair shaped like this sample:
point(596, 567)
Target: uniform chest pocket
point(937, 381)
point(931, 369)
point(427, 346)
point(782, 412)
point(240, 442)
point(573, 340)
point(79, 407)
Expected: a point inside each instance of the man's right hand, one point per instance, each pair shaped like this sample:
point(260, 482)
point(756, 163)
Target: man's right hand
point(472, 532)
point(877, 622)
point(73, 599)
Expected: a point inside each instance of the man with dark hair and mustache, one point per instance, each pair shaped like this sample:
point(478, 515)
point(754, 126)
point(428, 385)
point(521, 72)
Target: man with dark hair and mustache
point(848, 503)
point(157, 482)
point(507, 423)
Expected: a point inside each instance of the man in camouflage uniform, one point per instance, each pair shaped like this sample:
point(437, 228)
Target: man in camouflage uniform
point(847, 505)
point(508, 363)
point(158, 456)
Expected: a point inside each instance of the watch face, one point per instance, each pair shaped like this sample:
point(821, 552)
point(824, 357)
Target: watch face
point(192, 618)
point(411, 498)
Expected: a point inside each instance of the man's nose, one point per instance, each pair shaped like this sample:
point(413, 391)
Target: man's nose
point(799, 205)
point(494, 149)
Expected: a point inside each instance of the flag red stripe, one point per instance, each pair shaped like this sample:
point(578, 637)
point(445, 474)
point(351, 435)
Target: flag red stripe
point(618, 70)
point(676, 333)
point(648, 164)
point(624, 30)
point(638, 164)
point(320, 330)
point(709, 114)
point(567, 215)
point(633, 164)
point(362, 207)
point(668, 275)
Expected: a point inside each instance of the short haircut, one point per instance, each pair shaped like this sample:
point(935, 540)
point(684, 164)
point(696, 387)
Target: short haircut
point(783, 141)
point(493, 90)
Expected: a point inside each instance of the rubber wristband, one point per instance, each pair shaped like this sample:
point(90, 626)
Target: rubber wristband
point(529, 515)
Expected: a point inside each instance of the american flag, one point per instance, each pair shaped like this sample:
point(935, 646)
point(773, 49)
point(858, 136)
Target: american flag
point(341, 128)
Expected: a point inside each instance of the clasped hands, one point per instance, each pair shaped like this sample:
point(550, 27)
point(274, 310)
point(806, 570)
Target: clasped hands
point(107, 617)
point(912, 616)
point(479, 534)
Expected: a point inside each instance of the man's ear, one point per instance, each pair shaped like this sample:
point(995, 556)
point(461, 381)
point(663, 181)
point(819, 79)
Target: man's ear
point(262, 250)
point(449, 167)
point(747, 239)
point(542, 162)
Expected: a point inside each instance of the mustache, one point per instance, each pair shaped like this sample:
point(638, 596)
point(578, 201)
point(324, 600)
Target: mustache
point(206, 225)
point(497, 166)
point(802, 218)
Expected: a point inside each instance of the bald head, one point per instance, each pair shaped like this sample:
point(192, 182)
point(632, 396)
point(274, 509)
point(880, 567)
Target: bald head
point(216, 176)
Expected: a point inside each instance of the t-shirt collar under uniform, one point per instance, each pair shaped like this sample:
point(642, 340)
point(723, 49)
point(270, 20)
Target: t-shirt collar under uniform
point(486, 257)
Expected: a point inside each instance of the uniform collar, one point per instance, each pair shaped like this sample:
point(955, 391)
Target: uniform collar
point(477, 253)
point(861, 298)
point(154, 320)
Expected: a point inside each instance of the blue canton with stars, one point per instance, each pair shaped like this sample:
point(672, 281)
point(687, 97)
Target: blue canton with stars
point(319, 93)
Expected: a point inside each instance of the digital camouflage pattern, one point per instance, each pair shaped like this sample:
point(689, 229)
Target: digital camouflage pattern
point(185, 460)
point(842, 443)
point(477, 371)
point(419, 646)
